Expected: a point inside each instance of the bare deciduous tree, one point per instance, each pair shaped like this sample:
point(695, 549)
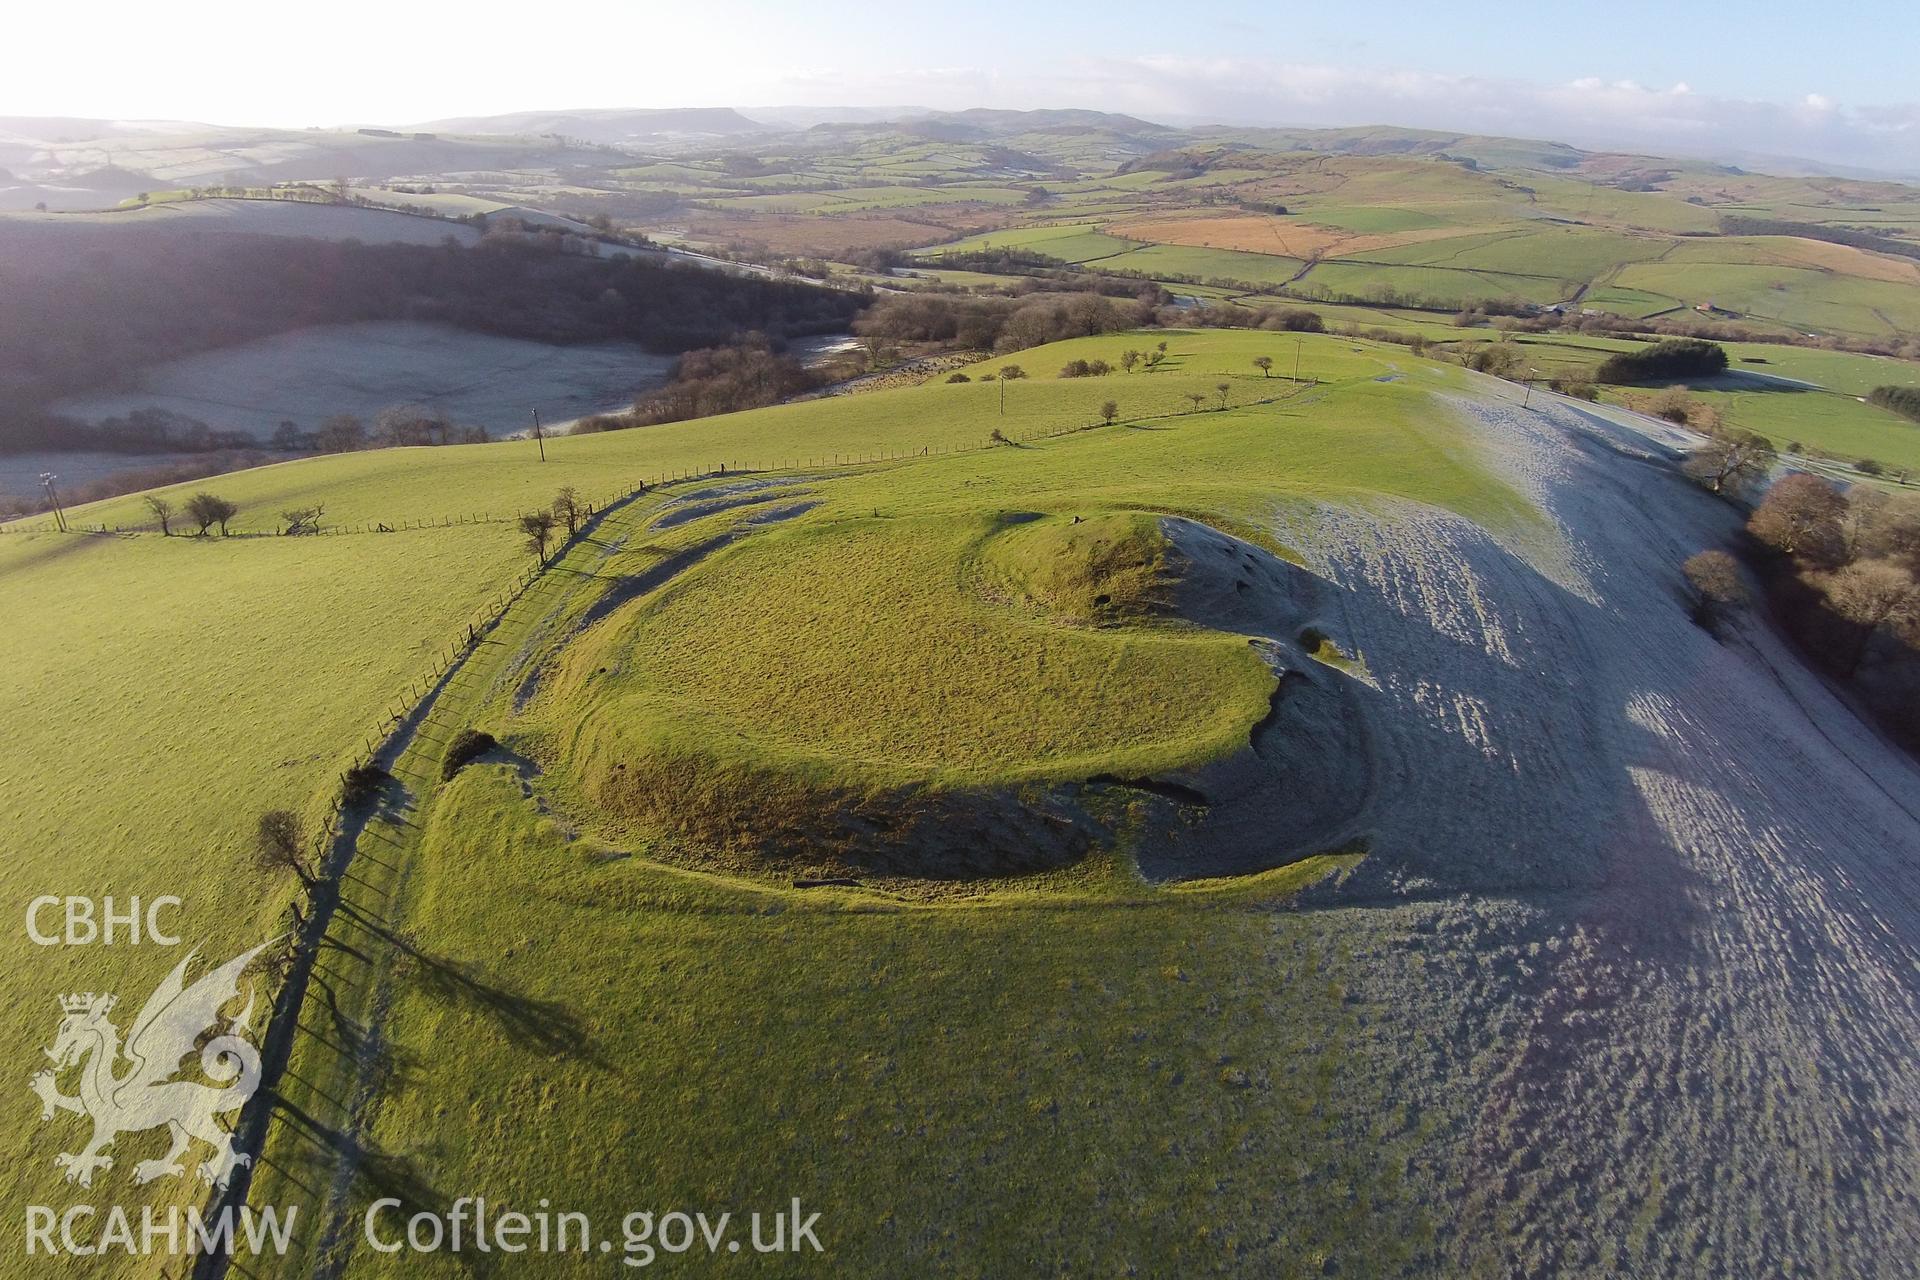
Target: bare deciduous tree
point(207, 510)
point(1109, 411)
point(1674, 405)
point(1873, 594)
point(538, 527)
point(342, 433)
point(1730, 460)
point(1715, 581)
point(1878, 525)
point(1196, 398)
point(1800, 516)
point(569, 510)
point(163, 512)
point(1859, 524)
point(1264, 364)
point(1223, 390)
point(278, 846)
point(1128, 359)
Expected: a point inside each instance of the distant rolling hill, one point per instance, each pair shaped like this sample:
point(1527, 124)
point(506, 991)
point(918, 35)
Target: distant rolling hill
point(605, 125)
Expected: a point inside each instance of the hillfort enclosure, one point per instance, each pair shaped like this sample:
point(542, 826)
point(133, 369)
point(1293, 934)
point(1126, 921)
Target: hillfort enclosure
point(990, 688)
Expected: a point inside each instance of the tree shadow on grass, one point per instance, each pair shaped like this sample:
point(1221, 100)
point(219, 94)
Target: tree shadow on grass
point(547, 1027)
point(374, 1173)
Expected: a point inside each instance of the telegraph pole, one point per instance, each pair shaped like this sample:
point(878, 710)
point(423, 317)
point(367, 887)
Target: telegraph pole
point(59, 517)
point(537, 437)
point(1298, 342)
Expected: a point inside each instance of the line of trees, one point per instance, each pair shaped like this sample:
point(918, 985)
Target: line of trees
point(747, 373)
point(1852, 237)
point(998, 324)
point(1845, 577)
point(1904, 401)
point(1842, 571)
point(72, 326)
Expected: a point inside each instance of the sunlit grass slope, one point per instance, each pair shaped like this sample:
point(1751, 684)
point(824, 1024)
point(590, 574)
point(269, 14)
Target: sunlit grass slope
point(159, 695)
point(955, 1090)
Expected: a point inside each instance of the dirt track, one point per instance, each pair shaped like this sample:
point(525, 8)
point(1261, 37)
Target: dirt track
point(1647, 901)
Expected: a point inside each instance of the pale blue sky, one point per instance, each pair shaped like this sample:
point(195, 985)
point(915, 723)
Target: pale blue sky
point(1765, 75)
point(1867, 51)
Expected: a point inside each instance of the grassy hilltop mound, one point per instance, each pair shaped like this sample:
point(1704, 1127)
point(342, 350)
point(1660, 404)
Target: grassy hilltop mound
point(1015, 678)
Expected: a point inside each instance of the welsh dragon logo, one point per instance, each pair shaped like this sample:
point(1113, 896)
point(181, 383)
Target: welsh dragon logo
point(146, 1095)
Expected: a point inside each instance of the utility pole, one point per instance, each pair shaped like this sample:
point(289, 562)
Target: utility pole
point(537, 437)
point(59, 517)
point(1299, 340)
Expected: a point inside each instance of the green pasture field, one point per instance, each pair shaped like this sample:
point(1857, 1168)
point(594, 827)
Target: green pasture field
point(1016, 237)
point(1637, 304)
point(162, 694)
point(1830, 415)
point(1445, 286)
point(863, 199)
point(1367, 219)
point(965, 279)
point(795, 202)
point(1207, 264)
point(1566, 253)
point(1843, 371)
point(1806, 299)
point(773, 182)
point(603, 993)
point(1836, 424)
point(1082, 245)
point(1073, 242)
point(1100, 206)
point(1592, 202)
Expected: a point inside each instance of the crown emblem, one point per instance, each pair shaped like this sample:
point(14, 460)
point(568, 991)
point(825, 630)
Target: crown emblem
point(83, 1001)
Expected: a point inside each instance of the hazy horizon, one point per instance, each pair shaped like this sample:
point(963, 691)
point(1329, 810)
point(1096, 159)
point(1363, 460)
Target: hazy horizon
point(1631, 75)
